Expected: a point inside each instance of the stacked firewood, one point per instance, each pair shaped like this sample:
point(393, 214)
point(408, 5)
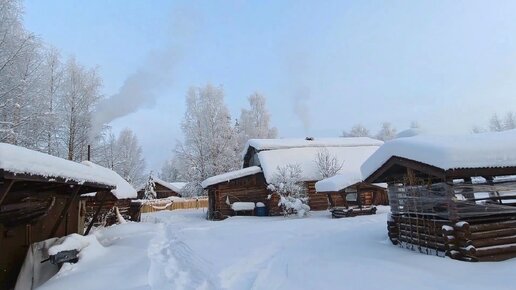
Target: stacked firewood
point(475, 241)
point(487, 241)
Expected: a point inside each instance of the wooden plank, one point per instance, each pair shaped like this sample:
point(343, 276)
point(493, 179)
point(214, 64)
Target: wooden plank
point(64, 212)
point(95, 216)
point(6, 187)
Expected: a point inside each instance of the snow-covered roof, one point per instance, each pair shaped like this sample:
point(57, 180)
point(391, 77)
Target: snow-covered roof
point(341, 181)
point(123, 188)
point(352, 157)
point(19, 160)
point(231, 176)
point(338, 182)
point(410, 133)
point(174, 186)
point(177, 186)
point(272, 144)
point(484, 150)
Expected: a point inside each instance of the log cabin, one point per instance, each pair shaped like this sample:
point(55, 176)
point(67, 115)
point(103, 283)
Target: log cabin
point(163, 189)
point(269, 154)
point(453, 196)
point(106, 203)
point(39, 199)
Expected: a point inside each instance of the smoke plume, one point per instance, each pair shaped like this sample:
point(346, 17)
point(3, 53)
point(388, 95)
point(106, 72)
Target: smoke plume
point(301, 108)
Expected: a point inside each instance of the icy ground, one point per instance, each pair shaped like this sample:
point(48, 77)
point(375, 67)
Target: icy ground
point(181, 250)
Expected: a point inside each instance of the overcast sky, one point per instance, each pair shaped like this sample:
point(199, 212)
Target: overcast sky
point(447, 64)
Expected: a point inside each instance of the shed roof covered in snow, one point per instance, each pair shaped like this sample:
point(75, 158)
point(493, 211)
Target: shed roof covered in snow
point(177, 186)
point(445, 156)
point(350, 154)
point(342, 181)
point(173, 186)
point(232, 175)
point(17, 161)
point(123, 189)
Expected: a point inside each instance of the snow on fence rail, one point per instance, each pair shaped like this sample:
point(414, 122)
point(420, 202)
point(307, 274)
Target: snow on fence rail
point(157, 205)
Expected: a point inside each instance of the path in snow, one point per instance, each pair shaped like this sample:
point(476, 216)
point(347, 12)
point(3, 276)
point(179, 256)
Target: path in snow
point(181, 250)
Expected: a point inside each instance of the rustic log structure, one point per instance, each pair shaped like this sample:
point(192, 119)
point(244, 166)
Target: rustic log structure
point(250, 188)
point(106, 203)
point(34, 208)
point(467, 214)
point(271, 153)
point(163, 189)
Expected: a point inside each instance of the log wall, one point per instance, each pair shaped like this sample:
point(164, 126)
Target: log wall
point(316, 201)
point(245, 189)
point(473, 241)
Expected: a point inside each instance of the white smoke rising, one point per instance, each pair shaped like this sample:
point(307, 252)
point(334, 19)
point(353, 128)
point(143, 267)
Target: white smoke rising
point(301, 108)
point(141, 89)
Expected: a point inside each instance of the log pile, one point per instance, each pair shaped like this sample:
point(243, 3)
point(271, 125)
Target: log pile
point(340, 212)
point(473, 241)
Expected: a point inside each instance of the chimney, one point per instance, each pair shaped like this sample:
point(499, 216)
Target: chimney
point(89, 152)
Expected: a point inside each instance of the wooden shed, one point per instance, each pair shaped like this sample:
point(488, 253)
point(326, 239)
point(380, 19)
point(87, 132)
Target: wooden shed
point(163, 188)
point(39, 199)
point(451, 195)
point(101, 208)
point(227, 192)
point(348, 195)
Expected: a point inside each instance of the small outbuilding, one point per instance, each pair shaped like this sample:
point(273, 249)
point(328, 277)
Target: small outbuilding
point(163, 188)
point(101, 208)
point(236, 192)
point(349, 195)
point(39, 199)
point(451, 195)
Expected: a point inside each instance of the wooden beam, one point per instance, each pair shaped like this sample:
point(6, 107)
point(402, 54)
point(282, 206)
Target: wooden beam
point(97, 212)
point(6, 187)
point(64, 212)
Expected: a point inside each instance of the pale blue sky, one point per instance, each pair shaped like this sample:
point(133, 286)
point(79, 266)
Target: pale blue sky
point(447, 64)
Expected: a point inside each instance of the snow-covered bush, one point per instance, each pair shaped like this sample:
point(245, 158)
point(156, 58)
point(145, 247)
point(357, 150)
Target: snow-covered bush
point(192, 189)
point(293, 196)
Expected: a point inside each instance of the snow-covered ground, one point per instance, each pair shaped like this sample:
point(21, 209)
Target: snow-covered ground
point(181, 250)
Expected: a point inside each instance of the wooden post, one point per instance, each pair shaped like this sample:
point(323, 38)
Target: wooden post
point(97, 212)
point(64, 212)
point(6, 187)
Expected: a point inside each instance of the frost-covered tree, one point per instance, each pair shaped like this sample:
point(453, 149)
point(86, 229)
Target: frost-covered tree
point(81, 92)
point(387, 132)
point(328, 164)
point(172, 170)
point(255, 122)
point(496, 124)
point(20, 75)
point(131, 163)
point(150, 189)
point(51, 90)
point(209, 139)
point(357, 130)
point(286, 182)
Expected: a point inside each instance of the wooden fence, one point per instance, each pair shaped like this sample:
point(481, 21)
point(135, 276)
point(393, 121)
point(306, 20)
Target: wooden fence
point(153, 206)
